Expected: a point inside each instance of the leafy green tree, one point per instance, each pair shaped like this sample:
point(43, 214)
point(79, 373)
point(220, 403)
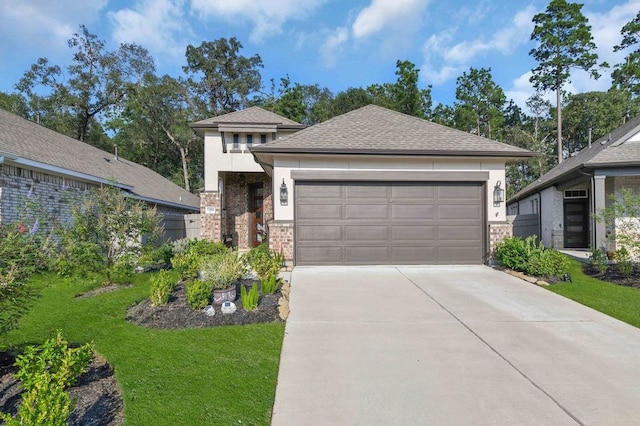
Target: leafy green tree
point(349, 100)
point(598, 113)
point(406, 96)
point(621, 215)
point(564, 42)
point(95, 84)
point(445, 115)
point(155, 126)
point(14, 103)
point(480, 103)
point(221, 78)
point(627, 74)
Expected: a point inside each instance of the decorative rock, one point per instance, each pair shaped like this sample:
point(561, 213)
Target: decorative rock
point(209, 311)
point(228, 307)
point(283, 308)
point(285, 290)
point(532, 280)
point(542, 283)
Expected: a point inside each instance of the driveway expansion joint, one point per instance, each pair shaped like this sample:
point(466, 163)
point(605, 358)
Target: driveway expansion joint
point(494, 350)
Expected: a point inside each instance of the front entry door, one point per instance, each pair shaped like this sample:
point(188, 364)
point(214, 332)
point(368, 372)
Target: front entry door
point(256, 225)
point(576, 223)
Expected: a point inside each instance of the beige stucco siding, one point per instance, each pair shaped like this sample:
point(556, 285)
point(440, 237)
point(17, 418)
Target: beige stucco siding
point(285, 164)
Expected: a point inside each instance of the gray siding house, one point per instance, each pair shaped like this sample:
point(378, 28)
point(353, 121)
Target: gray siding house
point(561, 206)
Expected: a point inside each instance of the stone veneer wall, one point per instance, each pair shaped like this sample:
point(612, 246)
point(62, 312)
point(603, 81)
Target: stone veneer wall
point(497, 233)
point(27, 195)
point(281, 238)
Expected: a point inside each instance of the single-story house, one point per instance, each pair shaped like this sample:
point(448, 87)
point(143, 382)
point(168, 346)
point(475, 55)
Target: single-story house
point(42, 165)
point(559, 207)
point(372, 186)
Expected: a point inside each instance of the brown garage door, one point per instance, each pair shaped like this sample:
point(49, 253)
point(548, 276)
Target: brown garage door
point(393, 223)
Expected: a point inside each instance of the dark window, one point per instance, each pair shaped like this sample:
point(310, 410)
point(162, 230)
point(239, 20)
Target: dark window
point(249, 140)
point(263, 138)
point(236, 141)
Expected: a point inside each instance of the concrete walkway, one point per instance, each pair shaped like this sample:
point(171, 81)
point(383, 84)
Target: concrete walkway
point(449, 345)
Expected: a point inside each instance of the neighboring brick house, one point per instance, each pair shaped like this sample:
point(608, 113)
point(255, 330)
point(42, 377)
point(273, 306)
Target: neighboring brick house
point(45, 170)
point(372, 186)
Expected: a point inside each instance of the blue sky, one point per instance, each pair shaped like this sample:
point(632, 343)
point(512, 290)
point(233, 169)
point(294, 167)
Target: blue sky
point(335, 43)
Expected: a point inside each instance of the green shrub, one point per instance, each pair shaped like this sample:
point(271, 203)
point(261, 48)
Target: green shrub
point(598, 260)
point(206, 248)
point(511, 253)
point(270, 284)
point(77, 258)
point(198, 293)
point(547, 263)
point(180, 246)
point(186, 264)
point(625, 267)
point(156, 255)
point(264, 261)
point(222, 271)
point(162, 285)
point(121, 272)
point(249, 298)
point(46, 371)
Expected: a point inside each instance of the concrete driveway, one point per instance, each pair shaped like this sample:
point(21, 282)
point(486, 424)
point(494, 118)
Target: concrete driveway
point(449, 345)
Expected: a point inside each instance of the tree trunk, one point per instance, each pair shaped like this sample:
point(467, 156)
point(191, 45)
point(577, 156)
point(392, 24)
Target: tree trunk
point(183, 157)
point(559, 113)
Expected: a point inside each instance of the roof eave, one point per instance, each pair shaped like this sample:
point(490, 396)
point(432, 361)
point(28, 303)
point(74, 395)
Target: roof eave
point(349, 151)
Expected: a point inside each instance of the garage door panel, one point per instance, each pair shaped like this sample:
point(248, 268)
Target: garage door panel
point(413, 232)
point(366, 211)
point(366, 255)
point(468, 213)
point(368, 192)
point(320, 211)
point(459, 233)
point(390, 223)
point(413, 211)
point(318, 191)
point(319, 255)
point(415, 254)
point(367, 233)
point(320, 233)
point(413, 192)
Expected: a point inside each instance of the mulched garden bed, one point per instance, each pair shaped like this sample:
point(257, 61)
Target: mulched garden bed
point(613, 276)
point(97, 394)
point(177, 314)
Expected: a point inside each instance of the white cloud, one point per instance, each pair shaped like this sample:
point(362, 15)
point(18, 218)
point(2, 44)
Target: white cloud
point(444, 59)
point(382, 14)
point(45, 23)
point(266, 16)
point(332, 45)
point(157, 25)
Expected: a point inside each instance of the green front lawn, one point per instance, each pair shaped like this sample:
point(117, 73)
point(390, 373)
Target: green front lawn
point(619, 302)
point(220, 375)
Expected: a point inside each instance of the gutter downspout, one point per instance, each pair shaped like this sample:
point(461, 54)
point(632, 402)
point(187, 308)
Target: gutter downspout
point(540, 218)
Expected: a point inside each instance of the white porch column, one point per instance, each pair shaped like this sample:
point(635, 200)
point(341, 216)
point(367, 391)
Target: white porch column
point(599, 197)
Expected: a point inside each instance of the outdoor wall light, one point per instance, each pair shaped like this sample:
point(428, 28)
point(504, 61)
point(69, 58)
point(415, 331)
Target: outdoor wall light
point(498, 194)
point(284, 194)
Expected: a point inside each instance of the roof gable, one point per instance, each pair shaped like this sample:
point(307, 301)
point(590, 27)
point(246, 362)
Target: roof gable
point(376, 130)
point(31, 142)
point(252, 115)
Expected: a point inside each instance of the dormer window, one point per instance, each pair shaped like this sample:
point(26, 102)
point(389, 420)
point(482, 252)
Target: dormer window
point(263, 138)
point(249, 140)
point(236, 141)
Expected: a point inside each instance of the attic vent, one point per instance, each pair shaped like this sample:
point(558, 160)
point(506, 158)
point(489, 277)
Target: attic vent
point(575, 193)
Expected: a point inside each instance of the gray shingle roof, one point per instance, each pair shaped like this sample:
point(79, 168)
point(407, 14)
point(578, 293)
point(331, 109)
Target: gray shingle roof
point(608, 151)
point(376, 130)
point(253, 115)
point(30, 141)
